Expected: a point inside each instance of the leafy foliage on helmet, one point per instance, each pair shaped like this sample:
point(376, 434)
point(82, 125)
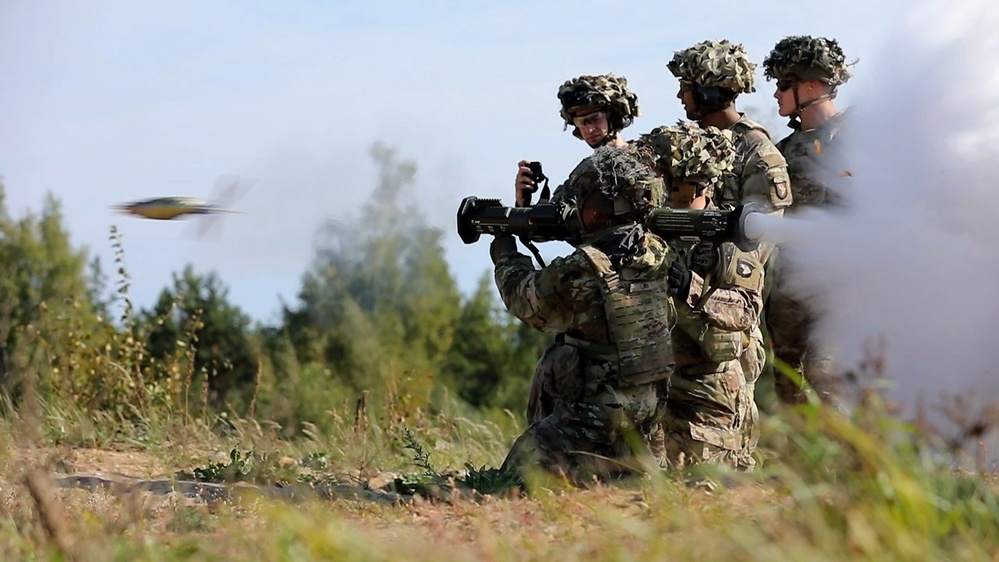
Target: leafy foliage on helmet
point(605, 90)
point(807, 58)
point(687, 152)
point(621, 177)
point(720, 64)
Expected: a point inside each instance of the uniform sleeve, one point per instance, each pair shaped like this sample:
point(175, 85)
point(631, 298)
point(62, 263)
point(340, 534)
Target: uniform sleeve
point(547, 299)
point(764, 175)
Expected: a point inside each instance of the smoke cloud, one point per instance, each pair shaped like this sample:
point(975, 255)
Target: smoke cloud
point(912, 262)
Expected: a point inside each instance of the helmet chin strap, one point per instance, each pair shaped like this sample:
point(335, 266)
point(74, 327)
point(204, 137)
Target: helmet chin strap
point(795, 122)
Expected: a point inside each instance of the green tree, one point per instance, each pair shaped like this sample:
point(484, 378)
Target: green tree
point(378, 304)
point(493, 357)
point(194, 318)
point(41, 278)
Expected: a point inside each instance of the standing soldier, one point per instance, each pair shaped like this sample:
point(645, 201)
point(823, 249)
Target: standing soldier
point(608, 370)
point(808, 71)
point(598, 108)
point(711, 411)
point(712, 74)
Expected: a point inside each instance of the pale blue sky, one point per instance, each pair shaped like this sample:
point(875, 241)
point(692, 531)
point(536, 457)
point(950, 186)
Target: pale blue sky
point(116, 100)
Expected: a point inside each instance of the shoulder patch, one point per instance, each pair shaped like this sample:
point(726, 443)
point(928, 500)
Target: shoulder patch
point(740, 269)
point(780, 185)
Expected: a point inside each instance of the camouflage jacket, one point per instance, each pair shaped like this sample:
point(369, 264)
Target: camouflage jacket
point(760, 171)
point(566, 296)
point(812, 160)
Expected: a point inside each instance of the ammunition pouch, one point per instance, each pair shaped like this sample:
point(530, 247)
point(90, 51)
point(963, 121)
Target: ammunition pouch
point(719, 346)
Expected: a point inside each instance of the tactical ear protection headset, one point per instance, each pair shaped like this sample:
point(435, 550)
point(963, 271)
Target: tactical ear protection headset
point(712, 98)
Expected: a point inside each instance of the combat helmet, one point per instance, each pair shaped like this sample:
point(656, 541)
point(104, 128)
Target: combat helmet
point(627, 186)
point(808, 58)
point(688, 153)
point(602, 91)
point(715, 64)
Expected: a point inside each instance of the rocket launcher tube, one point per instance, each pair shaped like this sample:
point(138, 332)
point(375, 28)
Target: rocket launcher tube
point(544, 222)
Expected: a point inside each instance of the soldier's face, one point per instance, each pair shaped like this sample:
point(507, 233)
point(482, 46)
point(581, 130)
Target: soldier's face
point(686, 97)
point(593, 127)
point(681, 194)
point(784, 94)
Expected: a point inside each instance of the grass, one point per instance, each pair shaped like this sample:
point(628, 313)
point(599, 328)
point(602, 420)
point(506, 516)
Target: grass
point(829, 486)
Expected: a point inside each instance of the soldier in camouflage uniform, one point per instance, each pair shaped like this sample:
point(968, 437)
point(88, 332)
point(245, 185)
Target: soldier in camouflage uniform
point(711, 414)
point(808, 71)
point(608, 370)
point(598, 108)
point(712, 74)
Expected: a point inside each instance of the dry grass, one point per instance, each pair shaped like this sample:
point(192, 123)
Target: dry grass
point(820, 502)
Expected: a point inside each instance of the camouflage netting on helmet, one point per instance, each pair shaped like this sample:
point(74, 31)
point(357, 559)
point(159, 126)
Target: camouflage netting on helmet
point(687, 152)
point(720, 64)
point(807, 58)
point(620, 176)
point(606, 89)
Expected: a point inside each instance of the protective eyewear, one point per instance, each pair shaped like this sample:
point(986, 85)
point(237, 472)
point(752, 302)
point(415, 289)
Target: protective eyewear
point(589, 120)
point(785, 85)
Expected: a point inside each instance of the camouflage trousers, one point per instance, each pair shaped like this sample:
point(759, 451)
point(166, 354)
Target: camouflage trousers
point(597, 436)
point(711, 415)
point(790, 323)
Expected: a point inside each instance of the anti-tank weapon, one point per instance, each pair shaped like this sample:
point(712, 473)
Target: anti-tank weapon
point(554, 221)
point(228, 188)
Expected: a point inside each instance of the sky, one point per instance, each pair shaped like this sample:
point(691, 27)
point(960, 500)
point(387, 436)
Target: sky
point(112, 101)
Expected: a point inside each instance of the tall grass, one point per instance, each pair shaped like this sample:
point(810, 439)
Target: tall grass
point(830, 486)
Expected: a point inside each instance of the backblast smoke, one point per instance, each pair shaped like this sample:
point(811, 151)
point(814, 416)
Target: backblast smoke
point(910, 267)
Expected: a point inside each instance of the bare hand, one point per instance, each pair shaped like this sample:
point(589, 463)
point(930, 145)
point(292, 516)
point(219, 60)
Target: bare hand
point(524, 184)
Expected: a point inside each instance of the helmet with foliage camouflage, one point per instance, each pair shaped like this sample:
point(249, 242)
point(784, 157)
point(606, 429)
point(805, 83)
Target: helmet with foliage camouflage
point(688, 153)
point(603, 91)
point(807, 58)
point(718, 64)
point(627, 184)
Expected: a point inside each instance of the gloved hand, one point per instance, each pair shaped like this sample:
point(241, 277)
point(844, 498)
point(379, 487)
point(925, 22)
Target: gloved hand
point(502, 244)
point(704, 258)
point(678, 280)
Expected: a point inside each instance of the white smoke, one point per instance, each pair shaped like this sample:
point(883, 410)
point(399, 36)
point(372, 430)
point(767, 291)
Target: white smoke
point(913, 260)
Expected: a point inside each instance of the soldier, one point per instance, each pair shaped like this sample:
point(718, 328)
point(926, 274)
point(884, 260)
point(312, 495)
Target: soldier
point(598, 108)
point(608, 301)
point(712, 74)
point(711, 413)
point(808, 71)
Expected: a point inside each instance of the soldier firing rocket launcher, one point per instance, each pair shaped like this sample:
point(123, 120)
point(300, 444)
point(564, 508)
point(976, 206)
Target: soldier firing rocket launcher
point(550, 221)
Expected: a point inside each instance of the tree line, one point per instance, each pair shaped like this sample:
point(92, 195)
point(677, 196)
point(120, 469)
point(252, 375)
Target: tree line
point(378, 316)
